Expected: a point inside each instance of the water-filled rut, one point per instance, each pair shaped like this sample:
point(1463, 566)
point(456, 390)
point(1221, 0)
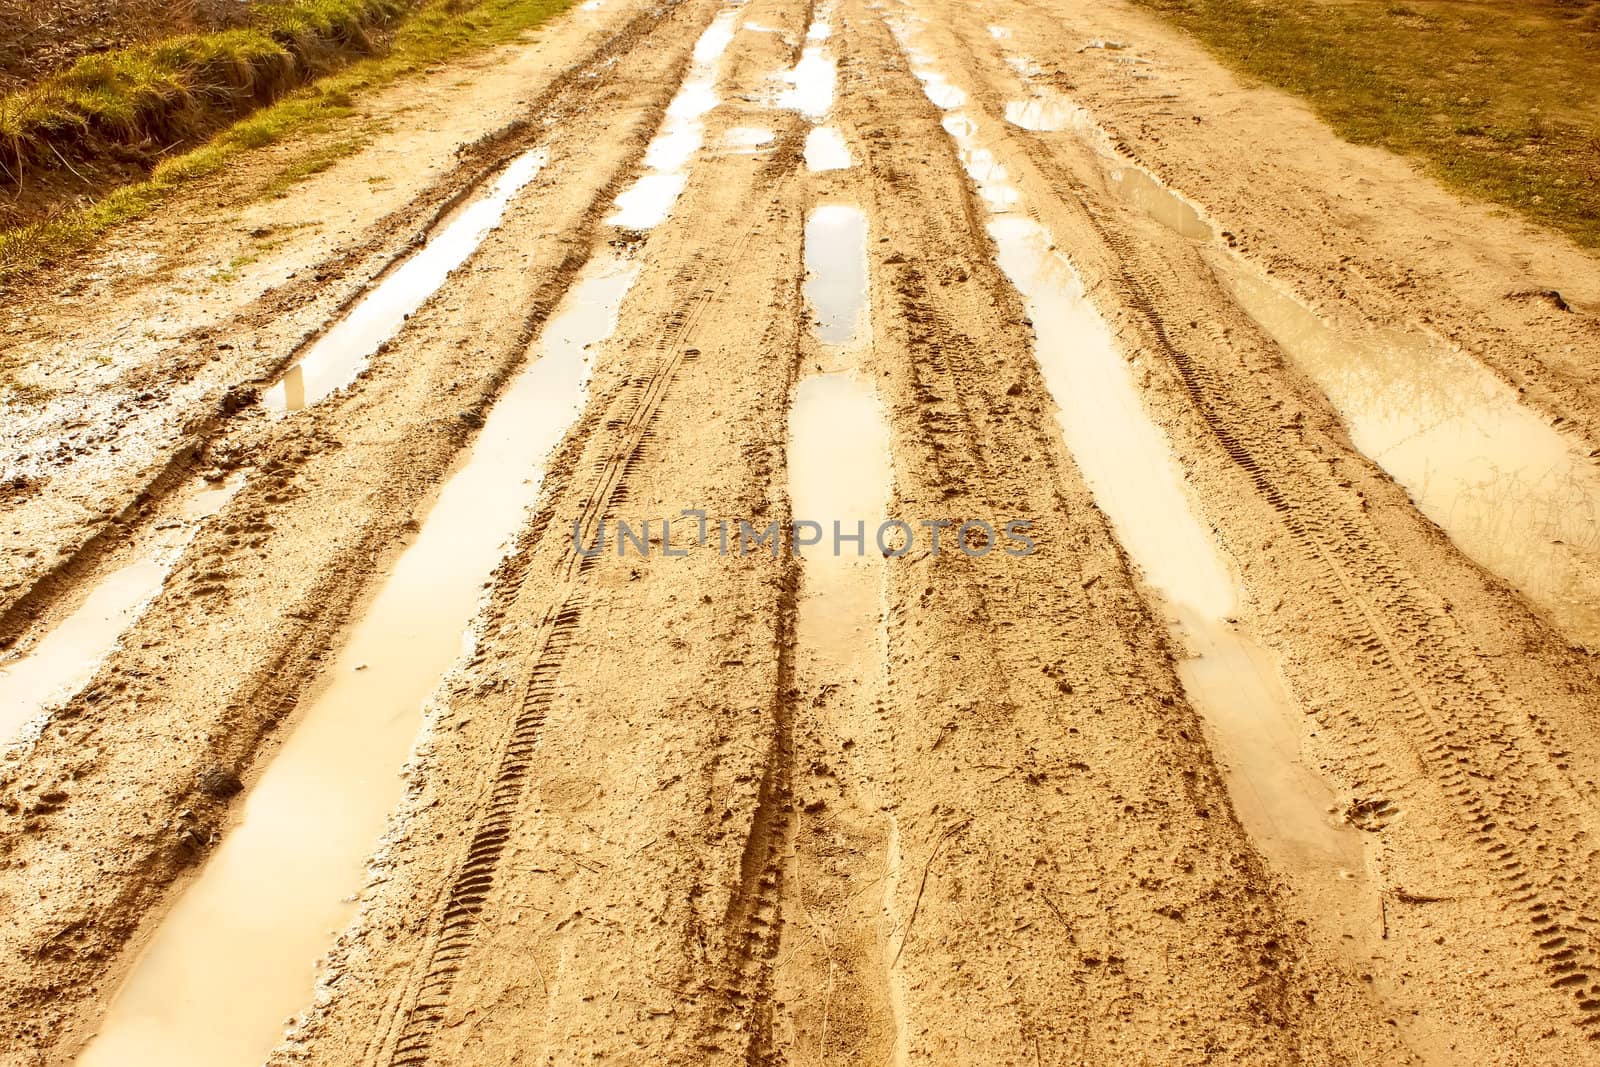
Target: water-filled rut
point(235, 956)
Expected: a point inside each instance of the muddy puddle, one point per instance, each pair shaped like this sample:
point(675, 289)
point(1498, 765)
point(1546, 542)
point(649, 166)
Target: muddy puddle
point(836, 272)
point(825, 150)
point(235, 956)
point(1144, 191)
point(838, 460)
point(335, 359)
point(1250, 718)
point(839, 473)
point(840, 481)
point(646, 203)
point(810, 86)
point(747, 139)
point(66, 656)
point(1252, 722)
point(1510, 491)
point(1047, 110)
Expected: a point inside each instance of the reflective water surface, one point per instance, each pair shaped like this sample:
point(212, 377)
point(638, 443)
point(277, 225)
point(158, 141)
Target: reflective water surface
point(235, 956)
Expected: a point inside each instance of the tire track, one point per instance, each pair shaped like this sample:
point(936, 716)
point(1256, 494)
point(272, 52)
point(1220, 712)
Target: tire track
point(407, 1040)
point(1507, 785)
point(1456, 711)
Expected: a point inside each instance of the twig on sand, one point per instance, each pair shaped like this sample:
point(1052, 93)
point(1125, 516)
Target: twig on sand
point(923, 884)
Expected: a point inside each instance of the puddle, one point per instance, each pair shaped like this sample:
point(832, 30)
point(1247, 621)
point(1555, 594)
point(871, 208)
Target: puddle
point(838, 461)
point(944, 95)
point(235, 956)
point(1000, 33)
point(826, 150)
point(1512, 492)
point(1046, 110)
point(1124, 455)
point(66, 657)
point(1278, 797)
point(986, 173)
point(811, 83)
point(1145, 192)
point(838, 472)
point(335, 359)
point(836, 272)
point(747, 139)
point(649, 200)
point(1128, 463)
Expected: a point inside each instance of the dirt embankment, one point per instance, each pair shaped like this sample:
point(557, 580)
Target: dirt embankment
point(39, 38)
point(677, 807)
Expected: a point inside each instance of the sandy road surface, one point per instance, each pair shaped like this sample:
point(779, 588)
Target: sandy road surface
point(1279, 746)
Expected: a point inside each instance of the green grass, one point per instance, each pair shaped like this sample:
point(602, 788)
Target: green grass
point(1500, 99)
point(161, 90)
point(438, 31)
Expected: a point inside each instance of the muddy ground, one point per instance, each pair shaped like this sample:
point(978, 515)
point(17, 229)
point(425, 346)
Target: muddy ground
point(1278, 746)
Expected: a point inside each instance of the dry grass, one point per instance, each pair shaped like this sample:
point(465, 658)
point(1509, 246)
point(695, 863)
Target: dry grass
point(1499, 99)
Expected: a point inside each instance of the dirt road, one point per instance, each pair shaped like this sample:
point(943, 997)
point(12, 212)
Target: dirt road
point(435, 633)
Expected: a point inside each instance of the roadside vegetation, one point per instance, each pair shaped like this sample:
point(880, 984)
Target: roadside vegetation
point(1500, 99)
point(115, 125)
point(38, 37)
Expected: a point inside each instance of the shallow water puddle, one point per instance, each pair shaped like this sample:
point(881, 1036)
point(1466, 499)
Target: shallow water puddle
point(338, 356)
point(1145, 192)
point(1046, 110)
point(747, 139)
point(986, 173)
point(826, 150)
point(649, 200)
point(838, 473)
point(839, 468)
point(1511, 491)
point(939, 90)
point(838, 460)
point(67, 656)
point(836, 271)
point(811, 84)
point(1128, 464)
point(235, 956)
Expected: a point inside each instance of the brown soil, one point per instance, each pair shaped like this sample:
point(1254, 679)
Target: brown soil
point(647, 818)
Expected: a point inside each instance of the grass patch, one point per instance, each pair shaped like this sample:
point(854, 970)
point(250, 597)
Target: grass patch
point(1499, 99)
point(438, 31)
point(151, 94)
